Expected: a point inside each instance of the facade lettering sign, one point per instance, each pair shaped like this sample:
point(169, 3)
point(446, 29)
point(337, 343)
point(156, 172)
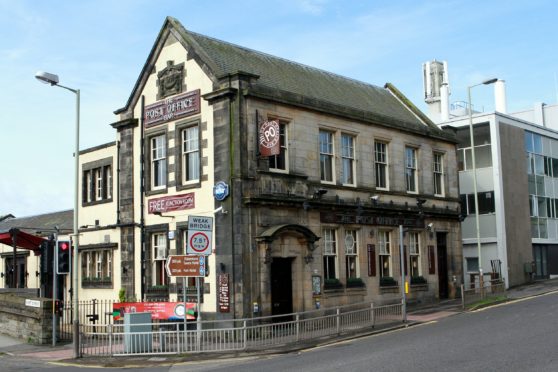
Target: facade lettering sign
point(171, 203)
point(172, 108)
point(354, 219)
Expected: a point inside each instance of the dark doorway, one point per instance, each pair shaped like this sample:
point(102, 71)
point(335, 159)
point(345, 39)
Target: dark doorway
point(281, 286)
point(540, 253)
point(20, 272)
point(442, 265)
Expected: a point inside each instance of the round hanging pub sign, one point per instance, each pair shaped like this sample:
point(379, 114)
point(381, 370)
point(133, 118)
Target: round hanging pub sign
point(220, 191)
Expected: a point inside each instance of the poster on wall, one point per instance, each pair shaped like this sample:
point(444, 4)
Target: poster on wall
point(158, 310)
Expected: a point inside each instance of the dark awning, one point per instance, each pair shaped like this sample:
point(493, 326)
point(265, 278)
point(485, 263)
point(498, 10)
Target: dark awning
point(22, 240)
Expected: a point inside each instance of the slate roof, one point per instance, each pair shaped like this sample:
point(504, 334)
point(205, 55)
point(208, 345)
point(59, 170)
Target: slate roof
point(31, 224)
point(382, 104)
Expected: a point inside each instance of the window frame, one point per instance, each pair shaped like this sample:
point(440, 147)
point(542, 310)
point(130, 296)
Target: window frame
point(188, 154)
point(284, 146)
point(438, 174)
point(348, 156)
point(381, 166)
point(96, 182)
point(352, 255)
point(163, 160)
point(414, 254)
point(384, 253)
point(324, 156)
point(411, 170)
point(330, 255)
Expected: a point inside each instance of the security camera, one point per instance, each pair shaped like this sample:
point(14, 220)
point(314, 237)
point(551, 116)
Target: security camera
point(375, 197)
point(429, 226)
point(220, 209)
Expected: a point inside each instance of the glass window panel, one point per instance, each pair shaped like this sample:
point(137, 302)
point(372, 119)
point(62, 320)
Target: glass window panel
point(529, 142)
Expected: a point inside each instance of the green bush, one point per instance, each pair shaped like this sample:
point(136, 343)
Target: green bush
point(332, 283)
point(387, 281)
point(355, 282)
point(418, 280)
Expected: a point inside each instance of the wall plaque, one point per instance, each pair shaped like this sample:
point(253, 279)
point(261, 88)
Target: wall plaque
point(172, 108)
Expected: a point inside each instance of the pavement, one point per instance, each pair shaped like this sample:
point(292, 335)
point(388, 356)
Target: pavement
point(417, 313)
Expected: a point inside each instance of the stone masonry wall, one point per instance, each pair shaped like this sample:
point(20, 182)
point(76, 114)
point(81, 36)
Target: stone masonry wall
point(33, 324)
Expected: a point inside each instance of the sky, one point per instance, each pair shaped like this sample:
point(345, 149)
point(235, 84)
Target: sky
point(100, 47)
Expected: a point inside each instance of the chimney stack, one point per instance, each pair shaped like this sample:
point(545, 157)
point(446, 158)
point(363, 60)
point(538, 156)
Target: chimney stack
point(500, 96)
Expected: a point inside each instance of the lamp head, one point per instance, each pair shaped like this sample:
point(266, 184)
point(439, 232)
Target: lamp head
point(490, 81)
point(47, 78)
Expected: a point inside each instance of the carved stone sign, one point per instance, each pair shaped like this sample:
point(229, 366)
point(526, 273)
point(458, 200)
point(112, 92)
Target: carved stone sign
point(170, 80)
point(172, 108)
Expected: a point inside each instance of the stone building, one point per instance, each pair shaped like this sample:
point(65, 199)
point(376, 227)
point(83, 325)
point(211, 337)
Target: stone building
point(316, 224)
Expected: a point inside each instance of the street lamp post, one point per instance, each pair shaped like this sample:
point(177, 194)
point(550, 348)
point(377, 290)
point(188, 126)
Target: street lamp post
point(476, 197)
point(52, 79)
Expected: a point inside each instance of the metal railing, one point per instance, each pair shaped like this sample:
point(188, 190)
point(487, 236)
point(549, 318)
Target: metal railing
point(491, 289)
point(234, 335)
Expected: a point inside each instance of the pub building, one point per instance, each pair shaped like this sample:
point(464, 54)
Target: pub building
point(305, 177)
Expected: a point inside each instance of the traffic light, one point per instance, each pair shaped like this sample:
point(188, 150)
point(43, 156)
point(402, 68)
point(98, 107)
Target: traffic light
point(63, 257)
point(47, 257)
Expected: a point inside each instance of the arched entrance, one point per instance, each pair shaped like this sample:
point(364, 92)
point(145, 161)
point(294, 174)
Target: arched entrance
point(286, 274)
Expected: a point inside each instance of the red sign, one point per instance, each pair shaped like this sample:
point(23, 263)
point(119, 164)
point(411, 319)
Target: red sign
point(171, 203)
point(223, 298)
point(186, 265)
point(172, 108)
point(270, 138)
point(158, 310)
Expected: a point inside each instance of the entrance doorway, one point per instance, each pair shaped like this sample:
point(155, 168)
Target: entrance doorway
point(281, 286)
point(20, 271)
point(442, 251)
point(540, 253)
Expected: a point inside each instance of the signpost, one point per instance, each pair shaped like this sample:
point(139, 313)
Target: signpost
point(200, 230)
point(193, 265)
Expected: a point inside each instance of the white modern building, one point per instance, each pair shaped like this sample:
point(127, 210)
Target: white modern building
point(517, 182)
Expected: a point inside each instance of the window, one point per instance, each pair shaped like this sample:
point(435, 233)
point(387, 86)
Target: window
point(326, 156)
point(330, 254)
point(97, 267)
point(381, 165)
point(472, 264)
point(190, 154)
point(351, 254)
point(414, 253)
point(438, 169)
point(411, 169)
point(88, 187)
point(385, 253)
point(486, 203)
point(279, 162)
point(159, 249)
point(97, 182)
point(348, 159)
point(108, 178)
point(158, 162)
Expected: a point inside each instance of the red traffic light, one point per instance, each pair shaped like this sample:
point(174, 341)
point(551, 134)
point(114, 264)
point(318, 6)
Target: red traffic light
point(64, 246)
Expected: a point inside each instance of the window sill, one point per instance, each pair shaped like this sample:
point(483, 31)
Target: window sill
point(389, 289)
point(420, 287)
point(96, 202)
point(96, 284)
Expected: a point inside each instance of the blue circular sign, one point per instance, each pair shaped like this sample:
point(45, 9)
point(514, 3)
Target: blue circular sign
point(220, 191)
